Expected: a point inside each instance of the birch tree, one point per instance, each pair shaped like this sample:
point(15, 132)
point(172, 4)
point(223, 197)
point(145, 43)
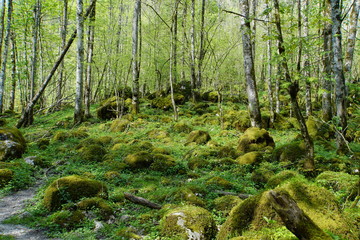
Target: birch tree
point(353, 26)
point(135, 57)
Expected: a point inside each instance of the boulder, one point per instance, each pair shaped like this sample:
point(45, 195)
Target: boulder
point(5, 176)
point(119, 125)
point(142, 159)
point(92, 153)
point(290, 152)
point(110, 108)
point(226, 203)
point(165, 103)
point(181, 127)
point(71, 189)
point(249, 158)
point(67, 219)
point(12, 144)
point(255, 139)
point(198, 137)
point(96, 203)
point(188, 222)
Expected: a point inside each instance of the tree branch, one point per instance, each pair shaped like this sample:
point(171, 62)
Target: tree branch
point(238, 14)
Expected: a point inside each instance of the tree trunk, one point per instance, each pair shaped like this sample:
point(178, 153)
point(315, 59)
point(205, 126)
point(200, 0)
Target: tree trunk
point(269, 66)
point(202, 46)
point(307, 61)
point(63, 33)
point(353, 25)
point(337, 66)
point(135, 57)
point(192, 53)
point(255, 115)
point(30, 105)
point(13, 73)
point(4, 61)
point(2, 17)
point(327, 84)
point(185, 44)
point(293, 90)
point(78, 111)
point(89, 60)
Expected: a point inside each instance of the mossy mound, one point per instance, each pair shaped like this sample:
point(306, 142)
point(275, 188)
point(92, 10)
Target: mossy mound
point(181, 127)
point(67, 219)
point(226, 203)
point(344, 185)
point(157, 134)
point(92, 153)
point(71, 189)
point(185, 195)
point(250, 158)
point(12, 144)
point(3, 122)
point(318, 129)
point(198, 137)
point(42, 143)
point(255, 139)
point(111, 108)
point(119, 125)
point(198, 162)
point(61, 136)
point(142, 159)
point(282, 123)
point(188, 222)
point(210, 96)
point(111, 175)
point(282, 177)
point(127, 233)
point(319, 204)
point(238, 120)
point(162, 162)
point(5, 176)
point(291, 152)
point(96, 203)
point(219, 182)
point(226, 151)
point(200, 108)
point(165, 103)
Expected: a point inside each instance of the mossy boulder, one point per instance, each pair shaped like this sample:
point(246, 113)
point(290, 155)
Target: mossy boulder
point(255, 139)
point(42, 143)
point(12, 144)
point(219, 182)
point(119, 125)
point(96, 203)
point(254, 213)
point(165, 103)
point(111, 108)
point(226, 203)
point(318, 129)
point(185, 195)
point(111, 175)
point(290, 152)
point(211, 96)
point(198, 137)
point(61, 136)
point(67, 219)
point(250, 158)
point(162, 162)
point(227, 151)
point(92, 153)
point(238, 120)
point(200, 108)
point(181, 127)
point(142, 159)
point(282, 177)
point(198, 162)
point(188, 222)
point(128, 233)
point(71, 189)
point(5, 176)
point(157, 134)
point(282, 123)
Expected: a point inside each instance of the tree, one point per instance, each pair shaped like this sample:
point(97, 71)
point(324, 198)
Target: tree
point(202, 50)
point(353, 26)
point(192, 52)
point(338, 72)
point(255, 115)
point(135, 57)
point(13, 73)
point(4, 61)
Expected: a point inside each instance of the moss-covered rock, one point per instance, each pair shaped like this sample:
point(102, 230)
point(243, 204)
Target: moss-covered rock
point(162, 162)
point(282, 123)
point(219, 182)
point(12, 144)
point(142, 159)
point(96, 203)
point(226, 203)
point(119, 125)
point(318, 129)
point(185, 195)
point(211, 96)
point(111, 108)
point(127, 233)
point(165, 103)
point(71, 189)
point(200, 108)
point(157, 134)
point(67, 219)
point(198, 137)
point(5, 176)
point(111, 175)
point(255, 139)
point(197, 162)
point(238, 120)
point(282, 177)
point(290, 152)
point(249, 158)
point(181, 127)
point(226, 151)
point(92, 153)
point(61, 136)
point(43, 143)
point(188, 222)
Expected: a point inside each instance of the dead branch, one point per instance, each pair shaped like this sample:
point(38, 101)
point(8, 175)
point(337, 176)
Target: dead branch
point(141, 201)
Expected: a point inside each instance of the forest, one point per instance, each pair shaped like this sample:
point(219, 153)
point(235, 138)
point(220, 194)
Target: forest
point(179, 119)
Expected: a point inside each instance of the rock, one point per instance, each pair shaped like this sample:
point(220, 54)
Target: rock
point(12, 144)
point(181, 127)
point(184, 194)
point(249, 158)
point(318, 129)
point(119, 125)
point(219, 182)
point(5, 176)
point(255, 139)
point(142, 159)
point(238, 120)
point(162, 162)
point(157, 134)
point(110, 108)
point(198, 137)
point(282, 177)
point(188, 222)
point(96, 203)
point(211, 96)
point(226, 203)
point(67, 219)
point(165, 103)
point(92, 153)
point(290, 152)
point(200, 108)
point(72, 188)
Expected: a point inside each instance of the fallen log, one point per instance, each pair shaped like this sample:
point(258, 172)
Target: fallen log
point(240, 195)
point(294, 218)
point(141, 201)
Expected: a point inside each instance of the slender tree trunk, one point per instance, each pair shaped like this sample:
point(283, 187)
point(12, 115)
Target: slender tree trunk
point(277, 89)
point(255, 115)
point(89, 60)
point(135, 56)
point(269, 66)
point(185, 41)
point(307, 61)
point(353, 25)
point(4, 61)
point(192, 53)
point(78, 112)
point(202, 46)
point(327, 84)
point(293, 91)
point(2, 17)
point(63, 33)
point(337, 65)
point(13, 73)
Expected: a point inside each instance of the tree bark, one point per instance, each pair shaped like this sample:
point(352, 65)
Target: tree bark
point(141, 201)
point(254, 109)
point(192, 52)
point(337, 66)
point(269, 66)
point(135, 57)
point(4, 61)
point(2, 17)
point(13, 73)
point(30, 105)
point(89, 61)
point(353, 25)
point(294, 218)
point(293, 90)
point(307, 61)
point(79, 109)
point(202, 46)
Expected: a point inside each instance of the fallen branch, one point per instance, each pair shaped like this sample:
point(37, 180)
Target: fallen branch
point(141, 201)
point(240, 195)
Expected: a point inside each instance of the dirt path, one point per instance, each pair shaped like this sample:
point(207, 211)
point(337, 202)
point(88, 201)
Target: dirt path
point(14, 204)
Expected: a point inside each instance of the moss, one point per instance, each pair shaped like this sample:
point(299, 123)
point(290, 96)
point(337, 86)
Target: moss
point(185, 194)
point(3, 122)
point(97, 203)
point(317, 129)
point(142, 159)
point(198, 162)
point(81, 132)
point(200, 108)
point(160, 151)
point(127, 233)
point(110, 108)
point(226, 203)
point(71, 189)
point(105, 140)
point(263, 173)
point(227, 152)
point(157, 134)
point(255, 139)
point(282, 177)
point(282, 123)
point(92, 153)
point(181, 127)
point(211, 96)
point(220, 182)
point(290, 152)
point(60, 136)
point(188, 222)
point(12, 144)
point(5, 176)
point(198, 137)
point(67, 219)
point(162, 162)
point(249, 158)
point(165, 103)
point(238, 120)
point(111, 175)
point(43, 143)
point(119, 125)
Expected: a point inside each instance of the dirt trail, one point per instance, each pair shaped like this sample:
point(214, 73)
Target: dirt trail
point(14, 204)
